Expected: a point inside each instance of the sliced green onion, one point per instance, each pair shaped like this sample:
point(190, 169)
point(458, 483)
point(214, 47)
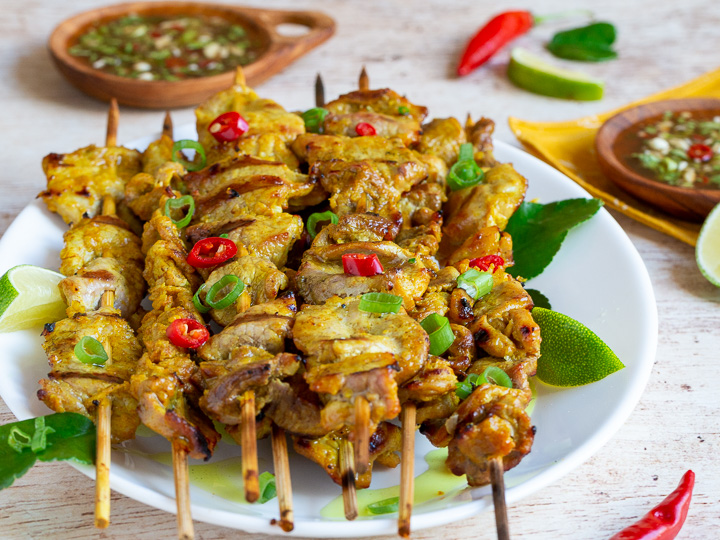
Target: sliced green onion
point(90, 351)
point(316, 218)
point(39, 439)
point(224, 235)
point(177, 204)
point(412, 261)
point(386, 506)
point(465, 388)
point(495, 375)
point(465, 173)
point(441, 335)
point(268, 488)
point(18, 440)
point(190, 145)
point(378, 302)
point(197, 302)
point(403, 110)
point(229, 298)
point(476, 283)
point(314, 119)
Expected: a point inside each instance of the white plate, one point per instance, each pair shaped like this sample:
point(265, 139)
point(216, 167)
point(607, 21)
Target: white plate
point(597, 278)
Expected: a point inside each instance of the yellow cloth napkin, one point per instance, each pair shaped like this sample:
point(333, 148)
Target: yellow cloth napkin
point(570, 148)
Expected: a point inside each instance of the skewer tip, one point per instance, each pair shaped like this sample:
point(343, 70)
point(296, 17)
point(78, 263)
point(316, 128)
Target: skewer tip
point(167, 128)
point(364, 82)
point(498, 492)
point(239, 76)
point(112, 123)
point(319, 91)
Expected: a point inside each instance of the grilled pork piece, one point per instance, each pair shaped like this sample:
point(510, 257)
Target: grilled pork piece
point(385, 444)
point(362, 174)
point(389, 113)
point(352, 353)
point(144, 191)
point(271, 128)
point(270, 237)
point(488, 204)
point(77, 387)
point(491, 423)
point(78, 182)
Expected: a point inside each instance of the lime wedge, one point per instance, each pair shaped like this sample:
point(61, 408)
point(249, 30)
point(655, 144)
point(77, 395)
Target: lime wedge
point(29, 297)
point(570, 353)
point(536, 75)
point(707, 249)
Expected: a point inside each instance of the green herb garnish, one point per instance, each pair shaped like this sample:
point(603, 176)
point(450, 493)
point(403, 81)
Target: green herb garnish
point(268, 489)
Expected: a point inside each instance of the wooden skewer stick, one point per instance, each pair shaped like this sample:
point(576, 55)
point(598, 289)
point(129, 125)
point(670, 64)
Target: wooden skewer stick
point(498, 491)
point(186, 529)
point(407, 468)
point(362, 435)
point(239, 76)
point(347, 474)
point(319, 91)
point(282, 477)
point(112, 124)
point(364, 82)
point(248, 439)
point(167, 129)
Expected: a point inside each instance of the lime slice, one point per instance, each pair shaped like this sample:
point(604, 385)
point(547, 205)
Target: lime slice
point(570, 353)
point(29, 297)
point(707, 250)
point(536, 75)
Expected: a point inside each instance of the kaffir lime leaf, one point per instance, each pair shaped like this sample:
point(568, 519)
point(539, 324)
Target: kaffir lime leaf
point(536, 75)
point(570, 353)
point(29, 297)
point(707, 250)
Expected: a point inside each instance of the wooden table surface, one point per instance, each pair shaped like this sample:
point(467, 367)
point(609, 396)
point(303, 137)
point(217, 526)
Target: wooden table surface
point(413, 47)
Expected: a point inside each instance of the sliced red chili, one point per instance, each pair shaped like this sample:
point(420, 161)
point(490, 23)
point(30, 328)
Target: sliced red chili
point(175, 62)
point(211, 251)
point(483, 263)
point(364, 129)
point(359, 264)
point(187, 333)
point(228, 127)
point(700, 152)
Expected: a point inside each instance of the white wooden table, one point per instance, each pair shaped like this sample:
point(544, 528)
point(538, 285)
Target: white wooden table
point(413, 47)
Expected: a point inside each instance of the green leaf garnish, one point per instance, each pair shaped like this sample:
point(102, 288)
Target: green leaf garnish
point(59, 436)
point(268, 489)
point(538, 231)
point(539, 299)
point(591, 43)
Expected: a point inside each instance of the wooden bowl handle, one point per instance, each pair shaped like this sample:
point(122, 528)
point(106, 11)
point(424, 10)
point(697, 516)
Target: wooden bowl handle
point(320, 25)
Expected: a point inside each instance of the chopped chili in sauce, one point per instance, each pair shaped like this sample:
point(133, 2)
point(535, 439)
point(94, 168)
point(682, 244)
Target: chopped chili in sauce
point(157, 48)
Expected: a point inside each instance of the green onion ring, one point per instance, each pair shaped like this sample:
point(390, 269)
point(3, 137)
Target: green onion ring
point(386, 506)
point(230, 297)
point(441, 335)
point(39, 439)
point(90, 351)
point(314, 118)
point(403, 110)
point(316, 218)
point(18, 440)
point(176, 204)
point(197, 302)
point(378, 302)
point(465, 172)
point(192, 145)
point(495, 375)
point(476, 283)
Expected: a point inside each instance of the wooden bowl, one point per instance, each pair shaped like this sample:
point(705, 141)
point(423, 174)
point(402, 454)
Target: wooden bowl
point(688, 203)
point(277, 51)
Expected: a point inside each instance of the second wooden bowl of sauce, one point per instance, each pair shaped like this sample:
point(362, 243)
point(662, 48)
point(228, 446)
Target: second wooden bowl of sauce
point(666, 153)
point(100, 73)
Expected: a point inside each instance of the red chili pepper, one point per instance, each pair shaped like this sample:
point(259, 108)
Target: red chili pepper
point(701, 152)
point(228, 127)
point(665, 520)
point(211, 251)
point(364, 129)
point(187, 333)
point(175, 62)
point(497, 33)
point(358, 264)
point(483, 263)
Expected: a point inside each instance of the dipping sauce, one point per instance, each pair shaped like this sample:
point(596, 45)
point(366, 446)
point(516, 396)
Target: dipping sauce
point(166, 48)
point(677, 148)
